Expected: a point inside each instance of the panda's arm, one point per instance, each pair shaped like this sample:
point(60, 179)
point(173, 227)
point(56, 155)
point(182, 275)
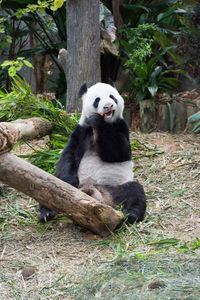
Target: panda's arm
point(68, 164)
point(112, 143)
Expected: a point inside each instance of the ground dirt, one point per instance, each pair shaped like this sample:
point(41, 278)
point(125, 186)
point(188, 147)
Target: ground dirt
point(156, 259)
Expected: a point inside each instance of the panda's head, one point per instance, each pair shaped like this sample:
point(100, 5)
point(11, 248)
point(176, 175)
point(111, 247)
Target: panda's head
point(103, 99)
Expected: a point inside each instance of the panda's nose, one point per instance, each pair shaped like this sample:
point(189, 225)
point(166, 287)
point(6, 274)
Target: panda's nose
point(108, 106)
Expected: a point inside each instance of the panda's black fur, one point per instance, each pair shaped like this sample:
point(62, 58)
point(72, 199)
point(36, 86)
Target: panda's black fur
point(97, 158)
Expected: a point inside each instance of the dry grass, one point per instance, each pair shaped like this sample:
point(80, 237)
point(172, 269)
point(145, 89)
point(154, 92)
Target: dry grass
point(172, 181)
point(66, 264)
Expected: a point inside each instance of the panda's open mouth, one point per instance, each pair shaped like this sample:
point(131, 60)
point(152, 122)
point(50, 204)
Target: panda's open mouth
point(108, 115)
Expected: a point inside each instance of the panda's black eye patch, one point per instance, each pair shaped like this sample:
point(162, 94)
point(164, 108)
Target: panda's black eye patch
point(112, 97)
point(96, 102)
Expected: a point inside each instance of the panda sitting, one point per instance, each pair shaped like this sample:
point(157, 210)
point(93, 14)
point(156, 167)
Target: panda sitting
point(97, 158)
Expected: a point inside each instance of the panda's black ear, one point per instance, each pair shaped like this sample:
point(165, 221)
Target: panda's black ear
point(83, 90)
point(111, 82)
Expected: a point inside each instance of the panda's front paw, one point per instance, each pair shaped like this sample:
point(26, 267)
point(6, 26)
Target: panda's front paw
point(131, 218)
point(95, 120)
point(47, 215)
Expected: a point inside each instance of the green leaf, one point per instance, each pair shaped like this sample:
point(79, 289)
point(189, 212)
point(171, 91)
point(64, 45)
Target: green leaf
point(171, 241)
point(28, 64)
point(197, 130)
point(8, 39)
point(166, 14)
point(156, 73)
point(178, 193)
point(12, 71)
point(140, 96)
point(20, 58)
point(6, 63)
point(134, 6)
point(153, 90)
point(58, 3)
point(196, 126)
point(151, 62)
point(166, 49)
point(175, 71)
point(171, 81)
point(18, 65)
point(126, 45)
point(194, 118)
point(195, 245)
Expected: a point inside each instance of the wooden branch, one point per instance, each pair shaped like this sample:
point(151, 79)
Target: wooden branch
point(12, 132)
point(58, 195)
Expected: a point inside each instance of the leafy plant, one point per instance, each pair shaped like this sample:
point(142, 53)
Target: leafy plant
point(150, 77)
point(138, 43)
point(43, 23)
point(166, 15)
point(22, 103)
point(195, 118)
point(148, 72)
point(15, 65)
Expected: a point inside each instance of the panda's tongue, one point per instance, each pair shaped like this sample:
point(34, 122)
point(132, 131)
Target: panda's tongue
point(108, 114)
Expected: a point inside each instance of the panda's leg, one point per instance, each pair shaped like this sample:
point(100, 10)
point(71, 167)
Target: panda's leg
point(133, 200)
point(46, 214)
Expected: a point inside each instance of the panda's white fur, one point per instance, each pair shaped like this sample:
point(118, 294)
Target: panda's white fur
point(104, 172)
point(103, 91)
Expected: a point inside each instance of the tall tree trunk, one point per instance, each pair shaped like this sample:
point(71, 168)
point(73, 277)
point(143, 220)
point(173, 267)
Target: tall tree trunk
point(83, 42)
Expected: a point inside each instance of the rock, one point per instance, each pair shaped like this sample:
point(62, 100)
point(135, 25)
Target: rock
point(156, 283)
point(28, 272)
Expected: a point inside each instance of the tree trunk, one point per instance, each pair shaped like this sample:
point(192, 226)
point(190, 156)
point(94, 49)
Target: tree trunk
point(83, 42)
point(163, 117)
point(116, 13)
point(148, 115)
point(12, 132)
point(58, 195)
point(180, 116)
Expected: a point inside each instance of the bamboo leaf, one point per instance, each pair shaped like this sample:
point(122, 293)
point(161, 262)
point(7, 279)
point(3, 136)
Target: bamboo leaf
point(178, 193)
point(169, 241)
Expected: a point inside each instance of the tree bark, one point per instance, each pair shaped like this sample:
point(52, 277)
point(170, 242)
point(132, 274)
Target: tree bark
point(12, 132)
point(148, 115)
point(116, 13)
point(58, 195)
point(180, 116)
point(83, 43)
point(163, 117)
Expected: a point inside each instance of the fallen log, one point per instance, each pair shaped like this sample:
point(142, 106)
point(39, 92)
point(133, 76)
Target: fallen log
point(12, 132)
point(58, 195)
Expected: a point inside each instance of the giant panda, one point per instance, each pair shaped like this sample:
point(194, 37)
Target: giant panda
point(97, 158)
